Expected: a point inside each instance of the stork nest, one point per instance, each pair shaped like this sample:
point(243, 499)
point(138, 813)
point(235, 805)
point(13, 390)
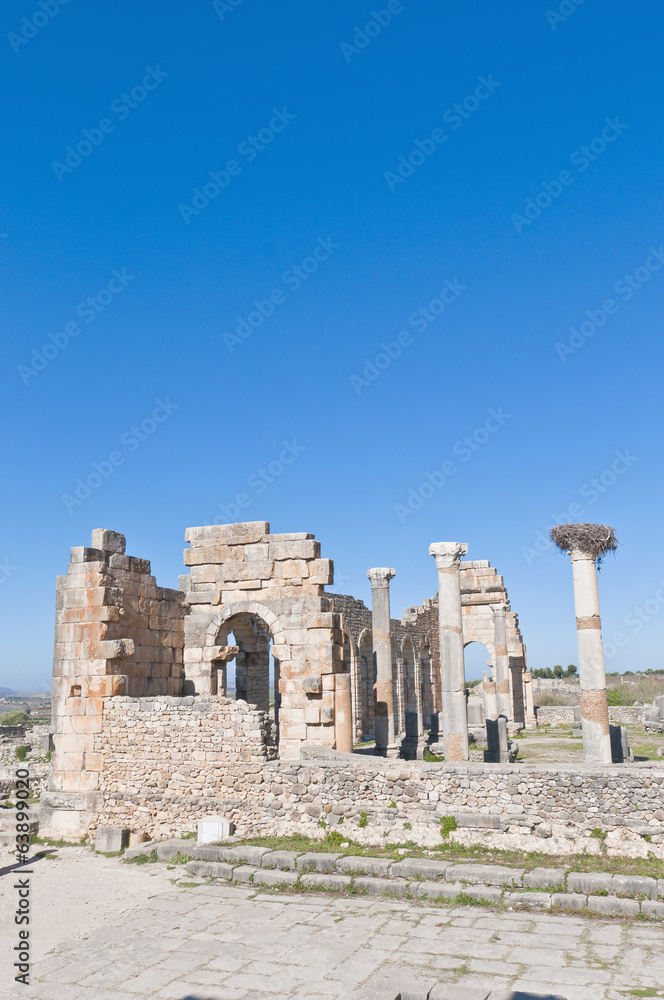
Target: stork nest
point(596, 539)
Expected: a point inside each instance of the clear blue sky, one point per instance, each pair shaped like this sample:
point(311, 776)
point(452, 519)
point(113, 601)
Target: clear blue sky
point(527, 206)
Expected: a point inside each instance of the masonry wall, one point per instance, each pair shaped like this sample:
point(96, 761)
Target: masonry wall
point(116, 633)
point(168, 764)
point(563, 715)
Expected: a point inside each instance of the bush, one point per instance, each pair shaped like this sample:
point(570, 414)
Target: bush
point(15, 718)
point(21, 752)
point(447, 825)
point(362, 820)
point(571, 670)
point(558, 670)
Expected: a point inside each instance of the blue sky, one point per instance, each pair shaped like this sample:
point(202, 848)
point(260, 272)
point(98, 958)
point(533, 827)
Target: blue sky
point(366, 235)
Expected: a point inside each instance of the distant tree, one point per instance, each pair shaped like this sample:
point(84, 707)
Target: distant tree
point(629, 673)
point(558, 670)
point(548, 672)
point(15, 718)
point(571, 670)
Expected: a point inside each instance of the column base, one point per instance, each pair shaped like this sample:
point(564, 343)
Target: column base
point(413, 747)
point(391, 751)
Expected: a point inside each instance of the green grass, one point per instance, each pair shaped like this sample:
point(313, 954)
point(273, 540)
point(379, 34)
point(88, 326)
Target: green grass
point(143, 859)
point(34, 839)
point(180, 859)
point(458, 852)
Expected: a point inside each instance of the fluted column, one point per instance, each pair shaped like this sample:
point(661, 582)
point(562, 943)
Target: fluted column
point(453, 680)
point(386, 745)
point(502, 661)
point(592, 677)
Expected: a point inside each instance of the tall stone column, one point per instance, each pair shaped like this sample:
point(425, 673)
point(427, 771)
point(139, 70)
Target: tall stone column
point(531, 720)
point(502, 661)
point(585, 542)
point(453, 679)
point(386, 745)
point(343, 715)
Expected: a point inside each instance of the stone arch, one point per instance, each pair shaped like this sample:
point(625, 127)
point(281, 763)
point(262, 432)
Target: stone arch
point(255, 628)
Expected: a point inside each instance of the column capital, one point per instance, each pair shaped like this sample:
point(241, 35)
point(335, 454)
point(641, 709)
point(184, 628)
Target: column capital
point(581, 555)
point(500, 609)
point(448, 554)
point(380, 577)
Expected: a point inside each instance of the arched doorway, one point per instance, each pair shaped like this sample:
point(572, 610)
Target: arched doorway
point(477, 661)
point(253, 676)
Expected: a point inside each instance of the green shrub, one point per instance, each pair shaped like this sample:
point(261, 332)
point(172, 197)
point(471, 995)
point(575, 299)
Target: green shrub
point(21, 752)
point(362, 820)
point(15, 718)
point(598, 833)
point(334, 837)
point(408, 826)
point(447, 825)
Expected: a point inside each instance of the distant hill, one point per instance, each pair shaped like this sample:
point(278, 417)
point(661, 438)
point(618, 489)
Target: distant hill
point(7, 691)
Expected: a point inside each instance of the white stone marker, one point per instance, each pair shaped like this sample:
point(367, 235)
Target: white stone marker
point(585, 542)
point(386, 745)
point(453, 679)
point(214, 828)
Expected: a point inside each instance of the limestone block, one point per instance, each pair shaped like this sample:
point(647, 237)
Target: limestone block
point(317, 861)
point(108, 541)
point(381, 886)
point(274, 877)
point(209, 869)
point(356, 865)
point(322, 572)
point(280, 859)
point(635, 885)
point(82, 554)
point(247, 854)
point(257, 550)
point(112, 838)
point(316, 881)
point(216, 853)
point(419, 868)
point(588, 882)
point(544, 878)
point(167, 849)
point(114, 649)
point(613, 906)
point(291, 569)
point(214, 828)
point(294, 549)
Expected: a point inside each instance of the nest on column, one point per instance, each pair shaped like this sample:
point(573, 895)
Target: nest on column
point(595, 539)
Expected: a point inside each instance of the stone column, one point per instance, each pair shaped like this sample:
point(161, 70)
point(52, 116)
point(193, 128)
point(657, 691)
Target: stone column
point(496, 727)
point(343, 715)
point(531, 719)
point(453, 679)
point(386, 745)
point(594, 704)
point(502, 661)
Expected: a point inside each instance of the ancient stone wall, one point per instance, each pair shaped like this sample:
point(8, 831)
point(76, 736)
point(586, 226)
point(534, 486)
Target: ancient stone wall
point(563, 715)
point(116, 633)
point(371, 799)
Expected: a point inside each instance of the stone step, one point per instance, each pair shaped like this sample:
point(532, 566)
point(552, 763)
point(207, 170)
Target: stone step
point(539, 889)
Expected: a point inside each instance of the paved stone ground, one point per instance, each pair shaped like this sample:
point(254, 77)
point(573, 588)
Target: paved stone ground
point(161, 940)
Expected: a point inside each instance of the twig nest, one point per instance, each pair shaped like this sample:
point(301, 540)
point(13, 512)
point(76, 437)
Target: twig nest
point(595, 539)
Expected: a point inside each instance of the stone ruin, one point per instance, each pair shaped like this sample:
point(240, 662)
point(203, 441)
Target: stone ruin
point(146, 736)
point(120, 636)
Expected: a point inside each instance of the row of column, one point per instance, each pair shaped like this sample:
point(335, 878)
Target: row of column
point(594, 706)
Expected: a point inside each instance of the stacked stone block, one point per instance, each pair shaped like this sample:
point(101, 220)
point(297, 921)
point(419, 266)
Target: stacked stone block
point(251, 582)
point(116, 633)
